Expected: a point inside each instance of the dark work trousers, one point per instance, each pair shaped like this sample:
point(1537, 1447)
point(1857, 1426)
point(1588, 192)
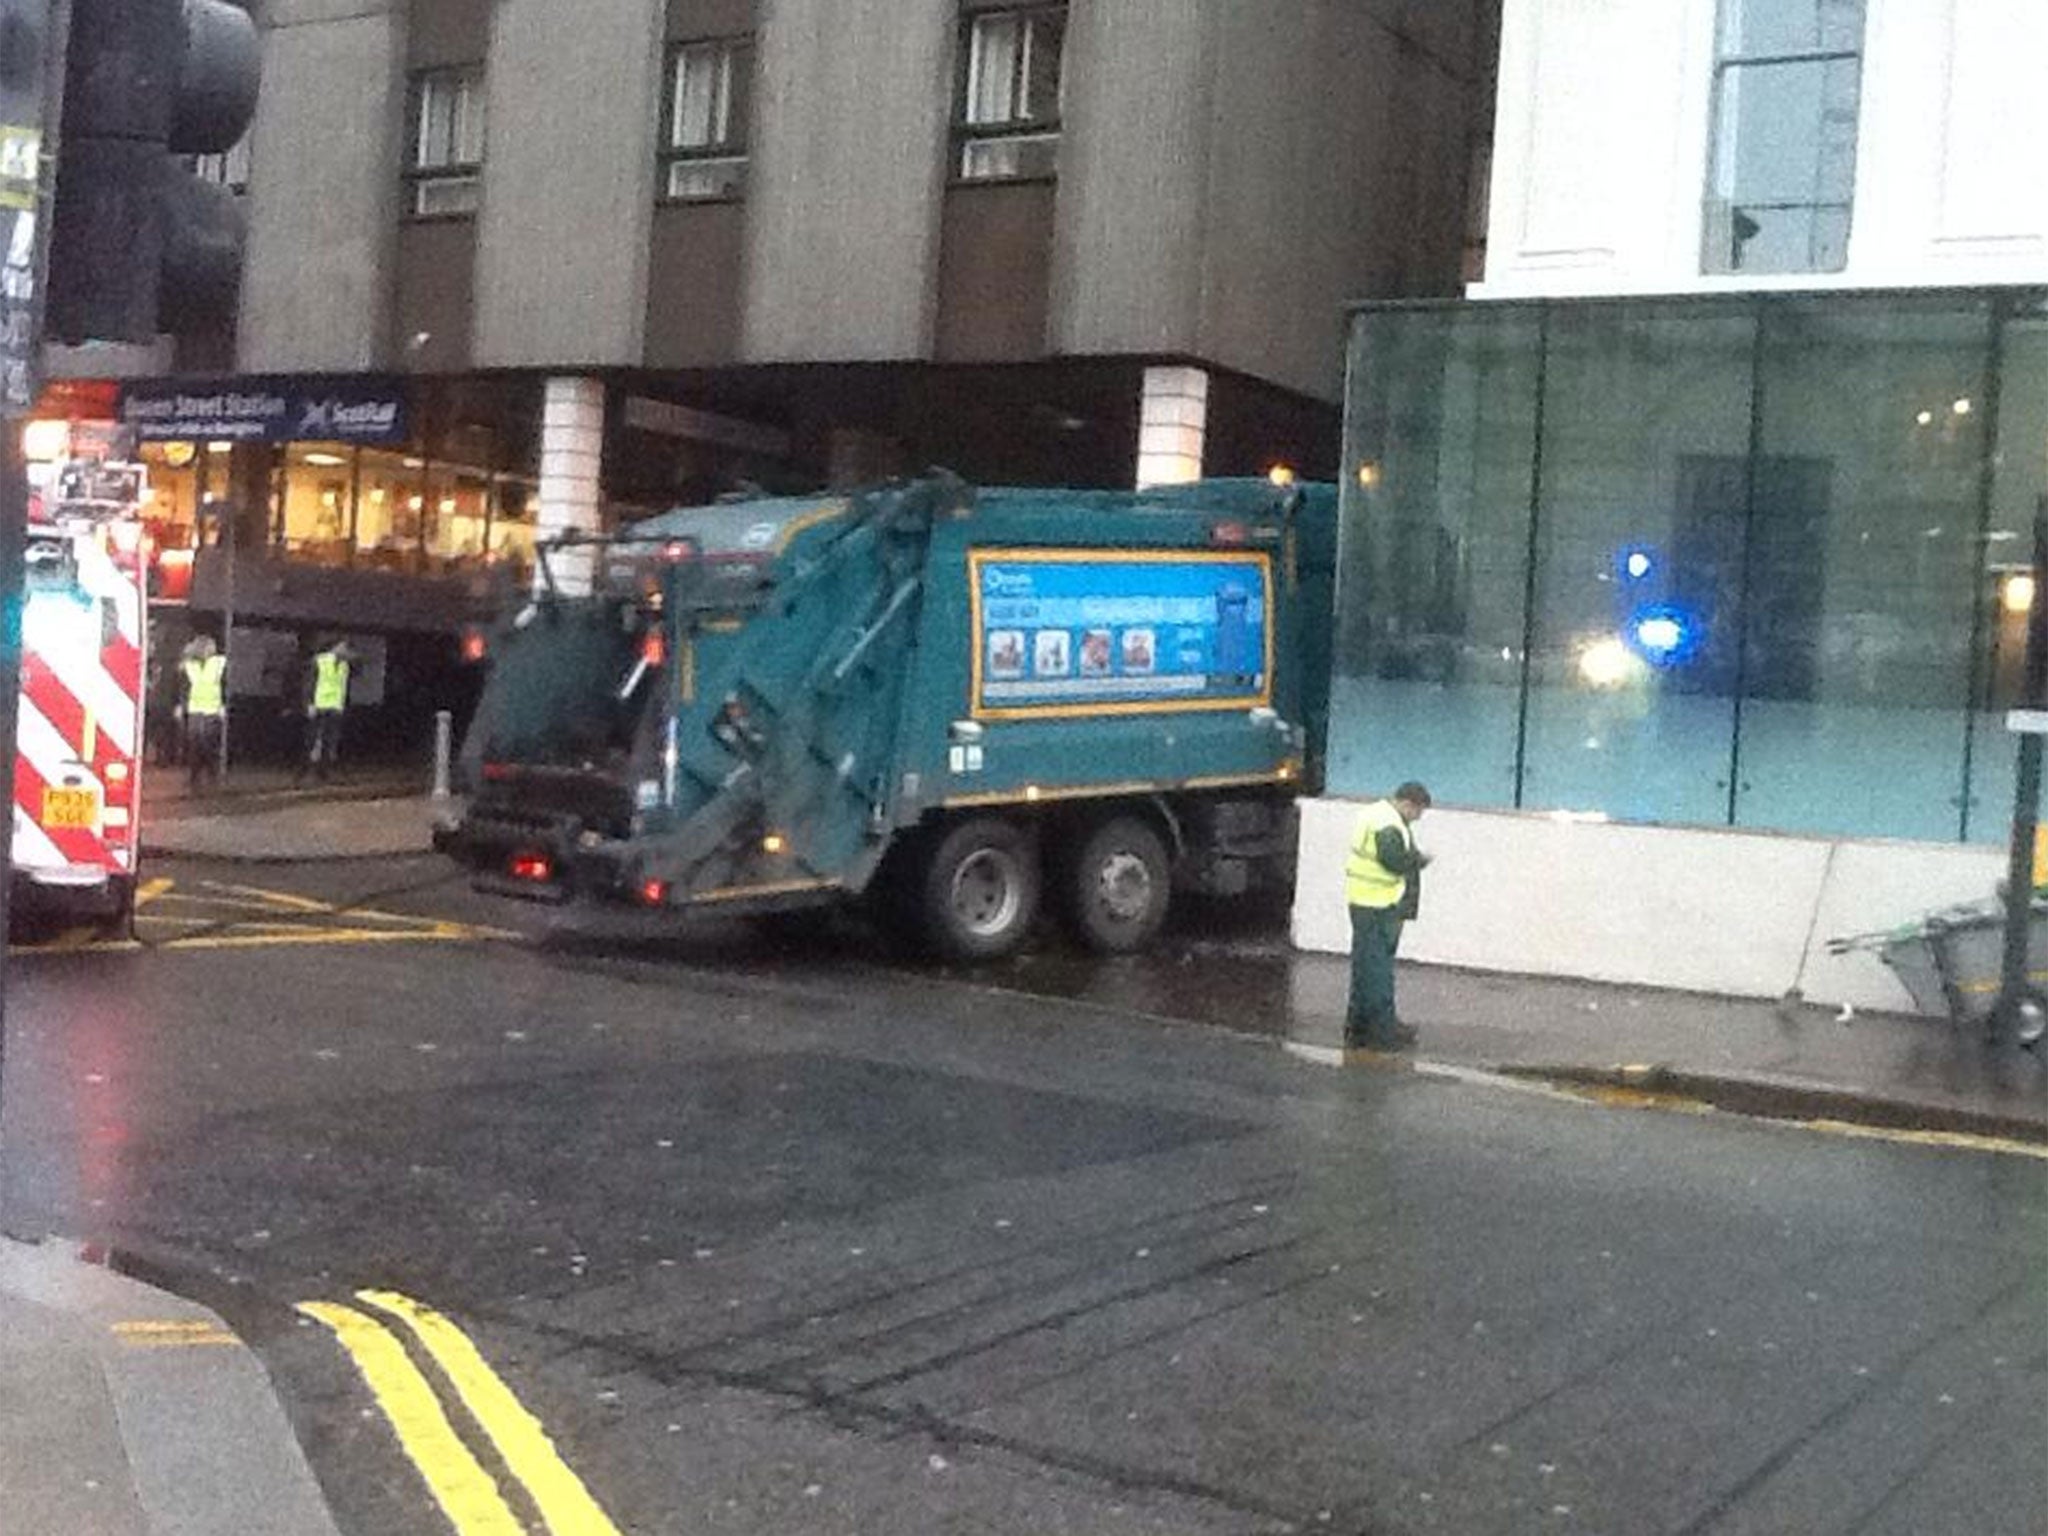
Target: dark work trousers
point(323, 740)
point(202, 748)
point(1375, 935)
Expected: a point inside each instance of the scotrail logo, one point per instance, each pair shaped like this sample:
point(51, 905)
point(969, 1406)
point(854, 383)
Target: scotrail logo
point(336, 418)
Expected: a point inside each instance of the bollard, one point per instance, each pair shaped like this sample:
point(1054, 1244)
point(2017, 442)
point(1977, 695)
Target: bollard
point(444, 745)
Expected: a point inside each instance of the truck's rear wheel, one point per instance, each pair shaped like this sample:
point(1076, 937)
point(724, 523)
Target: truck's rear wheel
point(980, 890)
point(1120, 886)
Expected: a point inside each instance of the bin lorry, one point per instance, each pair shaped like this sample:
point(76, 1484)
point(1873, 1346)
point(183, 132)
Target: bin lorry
point(959, 704)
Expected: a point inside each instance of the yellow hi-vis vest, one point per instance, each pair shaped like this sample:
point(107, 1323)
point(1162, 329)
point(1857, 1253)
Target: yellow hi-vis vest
point(205, 685)
point(1368, 882)
point(330, 683)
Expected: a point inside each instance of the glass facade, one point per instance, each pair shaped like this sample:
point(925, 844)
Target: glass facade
point(1739, 561)
point(340, 505)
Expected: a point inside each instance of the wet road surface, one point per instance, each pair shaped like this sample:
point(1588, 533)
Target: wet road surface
point(778, 1235)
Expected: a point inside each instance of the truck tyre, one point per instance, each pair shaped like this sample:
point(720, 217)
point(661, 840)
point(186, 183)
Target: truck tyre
point(1119, 886)
point(980, 890)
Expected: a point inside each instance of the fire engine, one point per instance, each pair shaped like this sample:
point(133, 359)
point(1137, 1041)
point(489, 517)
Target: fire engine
point(78, 753)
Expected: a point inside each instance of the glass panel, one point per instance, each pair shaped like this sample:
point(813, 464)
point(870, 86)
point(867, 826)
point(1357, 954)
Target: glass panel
point(1868, 488)
point(1788, 132)
point(1047, 41)
point(1032, 155)
point(1439, 438)
point(512, 528)
point(469, 121)
point(704, 180)
point(435, 138)
point(1765, 27)
point(1645, 433)
point(387, 519)
point(2020, 480)
point(1757, 239)
point(695, 122)
point(447, 194)
point(992, 68)
point(316, 502)
point(1784, 166)
point(456, 528)
point(739, 95)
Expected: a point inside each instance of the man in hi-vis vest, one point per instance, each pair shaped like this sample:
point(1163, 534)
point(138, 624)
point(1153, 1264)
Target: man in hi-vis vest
point(202, 707)
point(327, 681)
point(1383, 884)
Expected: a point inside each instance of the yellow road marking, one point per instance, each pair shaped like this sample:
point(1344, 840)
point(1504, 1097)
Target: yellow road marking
point(291, 919)
point(1615, 1097)
point(564, 1503)
point(1966, 1141)
point(155, 1333)
point(273, 899)
point(242, 938)
point(467, 1494)
point(441, 933)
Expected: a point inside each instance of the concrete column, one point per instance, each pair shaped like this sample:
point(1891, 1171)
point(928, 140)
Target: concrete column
point(1172, 421)
point(571, 471)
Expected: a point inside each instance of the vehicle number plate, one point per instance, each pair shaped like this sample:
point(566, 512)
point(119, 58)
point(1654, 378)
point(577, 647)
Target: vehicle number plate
point(68, 808)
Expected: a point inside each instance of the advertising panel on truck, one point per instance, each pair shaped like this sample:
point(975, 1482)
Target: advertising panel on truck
point(1086, 632)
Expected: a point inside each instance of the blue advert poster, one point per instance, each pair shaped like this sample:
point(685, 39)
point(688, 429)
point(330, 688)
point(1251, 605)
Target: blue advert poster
point(1116, 631)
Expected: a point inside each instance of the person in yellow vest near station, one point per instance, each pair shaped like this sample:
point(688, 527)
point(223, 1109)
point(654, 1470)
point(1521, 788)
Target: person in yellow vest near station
point(1383, 885)
point(327, 680)
point(203, 707)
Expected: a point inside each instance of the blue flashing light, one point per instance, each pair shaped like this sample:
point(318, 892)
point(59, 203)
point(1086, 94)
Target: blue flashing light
point(1663, 636)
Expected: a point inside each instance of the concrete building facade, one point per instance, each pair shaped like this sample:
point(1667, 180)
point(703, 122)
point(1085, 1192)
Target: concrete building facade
point(1201, 183)
point(583, 260)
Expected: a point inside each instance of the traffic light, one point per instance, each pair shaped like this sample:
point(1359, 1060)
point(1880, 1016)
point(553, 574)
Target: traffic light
point(138, 244)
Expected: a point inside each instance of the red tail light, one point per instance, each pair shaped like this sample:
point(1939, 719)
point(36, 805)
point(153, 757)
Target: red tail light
point(653, 649)
point(537, 867)
point(653, 892)
point(473, 645)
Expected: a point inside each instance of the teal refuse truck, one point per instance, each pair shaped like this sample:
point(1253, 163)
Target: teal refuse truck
point(960, 704)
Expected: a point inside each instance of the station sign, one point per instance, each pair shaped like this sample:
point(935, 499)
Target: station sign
point(293, 409)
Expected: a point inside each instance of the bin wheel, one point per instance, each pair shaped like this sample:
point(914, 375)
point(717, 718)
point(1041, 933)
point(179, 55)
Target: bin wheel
point(979, 894)
point(2030, 1018)
point(1119, 887)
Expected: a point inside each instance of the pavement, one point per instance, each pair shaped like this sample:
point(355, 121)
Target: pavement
point(127, 1411)
point(266, 816)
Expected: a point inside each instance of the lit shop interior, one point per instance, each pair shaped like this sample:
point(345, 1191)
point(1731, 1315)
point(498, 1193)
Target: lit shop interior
point(337, 504)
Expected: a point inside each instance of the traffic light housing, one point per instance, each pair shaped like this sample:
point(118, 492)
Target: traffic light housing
point(138, 243)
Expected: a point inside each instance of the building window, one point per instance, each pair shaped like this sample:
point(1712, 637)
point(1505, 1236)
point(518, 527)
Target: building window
point(230, 170)
point(444, 163)
point(709, 105)
point(1009, 120)
point(1788, 80)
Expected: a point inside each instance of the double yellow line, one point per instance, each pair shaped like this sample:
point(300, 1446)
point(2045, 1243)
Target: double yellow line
point(467, 1493)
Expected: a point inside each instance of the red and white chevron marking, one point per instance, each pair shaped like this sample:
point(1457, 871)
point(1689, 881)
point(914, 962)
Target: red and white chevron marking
point(81, 718)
